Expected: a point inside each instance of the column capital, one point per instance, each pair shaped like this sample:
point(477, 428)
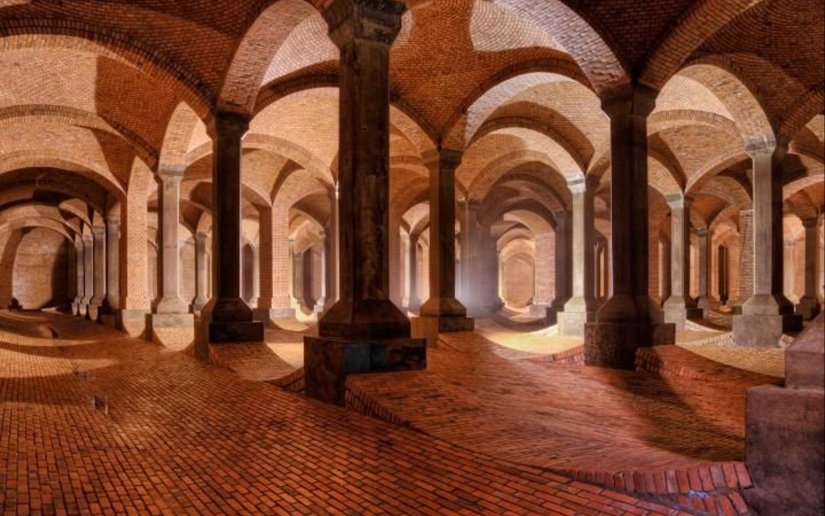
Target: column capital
point(760, 146)
point(637, 99)
point(702, 232)
point(87, 237)
point(679, 201)
point(378, 21)
point(442, 159)
point(113, 220)
point(99, 231)
point(227, 123)
point(583, 183)
point(810, 222)
point(170, 173)
point(201, 235)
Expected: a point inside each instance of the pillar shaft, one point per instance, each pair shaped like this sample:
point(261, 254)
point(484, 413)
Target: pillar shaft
point(679, 249)
point(201, 271)
point(99, 275)
point(442, 301)
point(808, 305)
point(415, 297)
point(169, 300)
point(80, 267)
point(113, 262)
point(704, 264)
point(256, 274)
point(88, 270)
point(628, 319)
point(332, 257)
point(581, 307)
point(563, 256)
point(363, 31)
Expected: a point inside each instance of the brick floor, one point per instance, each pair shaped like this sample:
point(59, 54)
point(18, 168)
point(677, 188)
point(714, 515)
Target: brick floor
point(97, 423)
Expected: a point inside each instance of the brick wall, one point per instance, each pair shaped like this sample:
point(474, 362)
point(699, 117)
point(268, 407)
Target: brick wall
point(518, 280)
point(41, 269)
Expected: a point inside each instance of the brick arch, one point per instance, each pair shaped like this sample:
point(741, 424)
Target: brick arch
point(514, 233)
point(497, 89)
point(664, 175)
point(36, 222)
point(730, 156)
point(495, 169)
point(806, 108)
point(10, 162)
point(723, 217)
point(735, 91)
point(176, 140)
point(727, 189)
point(796, 186)
point(801, 205)
point(294, 187)
point(251, 58)
point(535, 222)
point(588, 48)
point(80, 118)
point(697, 25)
point(494, 209)
point(82, 37)
point(663, 120)
point(548, 189)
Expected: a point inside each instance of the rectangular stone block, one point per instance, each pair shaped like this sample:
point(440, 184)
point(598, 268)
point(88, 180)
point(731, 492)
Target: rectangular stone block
point(428, 328)
point(785, 451)
point(572, 323)
point(763, 330)
point(328, 362)
point(133, 322)
point(805, 358)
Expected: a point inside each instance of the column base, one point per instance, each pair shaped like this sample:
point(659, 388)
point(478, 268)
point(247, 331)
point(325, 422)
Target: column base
point(571, 324)
point(808, 308)
point(539, 310)
point(328, 362)
point(783, 450)
point(173, 331)
point(428, 327)
point(759, 330)
point(76, 308)
point(94, 312)
point(679, 315)
point(133, 322)
point(614, 344)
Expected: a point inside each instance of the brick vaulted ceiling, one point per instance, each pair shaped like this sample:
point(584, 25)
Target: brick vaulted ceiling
point(96, 87)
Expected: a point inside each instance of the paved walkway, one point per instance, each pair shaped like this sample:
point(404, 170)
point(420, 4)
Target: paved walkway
point(93, 422)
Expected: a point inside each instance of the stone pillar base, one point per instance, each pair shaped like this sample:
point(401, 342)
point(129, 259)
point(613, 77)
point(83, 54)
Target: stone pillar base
point(173, 331)
point(679, 315)
point(614, 344)
point(268, 315)
point(808, 308)
point(76, 308)
point(539, 310)
point(572, 323)
point(133, 322)
point(327, 362)
point(109, 319)
point(428, 327)
point(94, 312)
point(784, 452)
point(761, 330)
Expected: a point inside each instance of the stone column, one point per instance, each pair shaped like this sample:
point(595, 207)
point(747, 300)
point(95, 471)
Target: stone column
point(442, 312)
point(80, 264)
point(170, 320)
point(256, 274)
point(99, 244)
point(789, 271)
point(111, 303)
point(321, 302)
point(405, 270)
point(768, 313)
point(664, 266)
point(705, 300)
point(415, 298)
point(744, 285)
point(201, 272)
point(332, 251)
point(564, 265)
point(581, 308)
point(679, 307)
point(723, 276)
point(808, 306)
point(545, 284)
point(598, 257)
point(629, 319)
point(226, 317)
point(364, 331)
point(298, 284)
point(88, 273)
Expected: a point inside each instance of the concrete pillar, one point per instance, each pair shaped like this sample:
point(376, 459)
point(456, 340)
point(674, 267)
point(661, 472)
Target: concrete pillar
point(442, 312)
point(414, 303)
point(563, 256)
point(321, 302)
point(629, 319)
point(170, 312)
point(201, 272)
point(111, 303)
point(363, 326)
point(99, 244)
point(80, 264)
point(680, 307)
point(664, 266)
point(581, 307)
point(256, 274)
point(808, 306)
point(768, 313)
point(789, 270)
point(405, 270)
point(226, 317)
point(723, 273)
point(332, 258)
point(705, 300)
point(88, 273)
point(169, 300)
point(298, 284)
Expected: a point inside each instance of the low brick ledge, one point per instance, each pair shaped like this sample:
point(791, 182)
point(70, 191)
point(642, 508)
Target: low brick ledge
point(676, 361)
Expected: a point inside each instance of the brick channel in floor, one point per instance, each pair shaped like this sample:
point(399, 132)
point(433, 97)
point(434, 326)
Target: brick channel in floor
point(93, 422)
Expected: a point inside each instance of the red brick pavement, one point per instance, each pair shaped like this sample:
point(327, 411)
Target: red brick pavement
point(111, 425)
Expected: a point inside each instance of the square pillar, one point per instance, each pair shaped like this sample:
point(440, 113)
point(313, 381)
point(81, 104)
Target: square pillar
point(363, 331)
point(679, 307)
point(808, 306)
point(629, 319)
